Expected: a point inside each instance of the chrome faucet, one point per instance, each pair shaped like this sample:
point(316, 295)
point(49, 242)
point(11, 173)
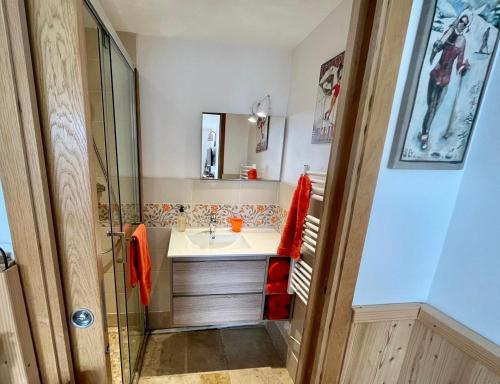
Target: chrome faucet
point(212, 225)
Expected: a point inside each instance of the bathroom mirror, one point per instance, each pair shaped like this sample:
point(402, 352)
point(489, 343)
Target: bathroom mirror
point(234, 148)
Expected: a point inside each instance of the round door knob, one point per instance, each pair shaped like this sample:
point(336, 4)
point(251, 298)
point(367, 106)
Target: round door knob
point(82, 318)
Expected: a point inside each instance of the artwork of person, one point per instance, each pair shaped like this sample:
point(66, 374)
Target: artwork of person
point(452, 48)
point(326, 100)
point(451, 60)
point(335, 93)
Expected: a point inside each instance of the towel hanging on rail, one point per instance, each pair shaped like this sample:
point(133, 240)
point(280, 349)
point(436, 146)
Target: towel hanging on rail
point(140, 263)
point(291, 238)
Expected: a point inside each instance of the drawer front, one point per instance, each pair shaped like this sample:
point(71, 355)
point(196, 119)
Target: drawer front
point(218, 277)
point(216, 309)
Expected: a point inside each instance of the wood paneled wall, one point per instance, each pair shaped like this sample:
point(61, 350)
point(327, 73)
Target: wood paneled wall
point(416, 344)
point(17, 356)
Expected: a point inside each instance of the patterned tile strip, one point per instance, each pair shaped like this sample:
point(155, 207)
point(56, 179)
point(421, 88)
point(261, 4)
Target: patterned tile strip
point(198, 215)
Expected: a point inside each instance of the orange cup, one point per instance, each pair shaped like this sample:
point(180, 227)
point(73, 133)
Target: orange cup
point(236, 224)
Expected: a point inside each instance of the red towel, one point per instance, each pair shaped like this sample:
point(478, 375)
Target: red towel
point(278, 269)
point(277, 307)
point(252, 174)
point(279, 286)
point(279, 300)
point(291, 238)
point(140, 263)
point(278, 314)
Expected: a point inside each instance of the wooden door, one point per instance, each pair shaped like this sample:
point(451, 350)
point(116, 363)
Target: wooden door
point(56, 36)
point(24, 179)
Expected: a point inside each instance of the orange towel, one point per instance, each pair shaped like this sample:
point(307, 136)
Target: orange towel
point(278, 269)
point(291, 238)
point(140, 263)
point(279, 286)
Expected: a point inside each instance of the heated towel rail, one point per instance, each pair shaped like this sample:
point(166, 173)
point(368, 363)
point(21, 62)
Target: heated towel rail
point(244, 170)
point(300, 271)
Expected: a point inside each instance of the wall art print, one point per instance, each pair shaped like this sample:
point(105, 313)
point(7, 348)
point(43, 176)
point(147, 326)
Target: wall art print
point(330, 76)
point(456, 44)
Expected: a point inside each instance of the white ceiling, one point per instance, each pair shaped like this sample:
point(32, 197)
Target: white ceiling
point(282, 23)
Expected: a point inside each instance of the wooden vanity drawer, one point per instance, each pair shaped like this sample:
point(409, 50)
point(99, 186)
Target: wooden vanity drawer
point(216, 309)
point(218, 277)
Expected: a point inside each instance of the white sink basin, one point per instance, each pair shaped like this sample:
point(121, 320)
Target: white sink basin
point(196, 242)
point(202, 240)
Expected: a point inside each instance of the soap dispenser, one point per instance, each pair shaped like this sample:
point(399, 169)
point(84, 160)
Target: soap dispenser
point(181, 220)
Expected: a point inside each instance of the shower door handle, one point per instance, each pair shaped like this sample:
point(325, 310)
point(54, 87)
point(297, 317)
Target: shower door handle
point(123, 240)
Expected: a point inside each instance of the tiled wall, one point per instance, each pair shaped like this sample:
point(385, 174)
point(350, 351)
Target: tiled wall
point(159, 306)
point(256, 202)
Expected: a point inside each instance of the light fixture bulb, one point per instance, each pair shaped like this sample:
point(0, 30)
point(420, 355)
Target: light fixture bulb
point(261, 114)
point(252, 118)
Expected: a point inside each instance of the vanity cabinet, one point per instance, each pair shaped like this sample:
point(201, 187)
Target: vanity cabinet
point(211, 290)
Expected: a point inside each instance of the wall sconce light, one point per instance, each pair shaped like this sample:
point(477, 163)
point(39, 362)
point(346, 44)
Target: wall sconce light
point(252, 119)
point(261, 108)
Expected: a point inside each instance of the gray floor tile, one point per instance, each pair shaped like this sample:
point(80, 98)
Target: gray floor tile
point(210, 350)
point(249, 348)
point(165, 355)
point(205, 351)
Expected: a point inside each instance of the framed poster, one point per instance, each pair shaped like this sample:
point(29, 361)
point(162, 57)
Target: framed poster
point(330, 76)
point(262, 134)
point(452, 57)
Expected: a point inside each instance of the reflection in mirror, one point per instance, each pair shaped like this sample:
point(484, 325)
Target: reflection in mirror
point(232, 147)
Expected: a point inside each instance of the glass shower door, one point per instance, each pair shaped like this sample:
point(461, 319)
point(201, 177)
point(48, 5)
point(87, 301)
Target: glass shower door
point(123, 180)
point(111, 88)
point(128, 179)
point(119, 245)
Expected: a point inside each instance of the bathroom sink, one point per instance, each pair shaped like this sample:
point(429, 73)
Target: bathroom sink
point(202, 240)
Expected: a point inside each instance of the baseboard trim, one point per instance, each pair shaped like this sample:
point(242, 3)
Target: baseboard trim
point(385, 312)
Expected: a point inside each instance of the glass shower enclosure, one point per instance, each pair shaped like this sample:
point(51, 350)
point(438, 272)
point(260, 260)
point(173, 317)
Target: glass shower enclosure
point(111, 86)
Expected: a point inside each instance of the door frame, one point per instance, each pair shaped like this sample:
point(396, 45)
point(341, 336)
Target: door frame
point(373, 55)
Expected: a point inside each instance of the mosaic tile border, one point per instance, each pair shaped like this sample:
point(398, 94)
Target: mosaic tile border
point(281, 215)
point(129, 213)
point(198, 215)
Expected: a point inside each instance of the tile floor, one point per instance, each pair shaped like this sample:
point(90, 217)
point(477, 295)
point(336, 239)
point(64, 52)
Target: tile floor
point(114, 350)
point(241, 376)
point(209, 350)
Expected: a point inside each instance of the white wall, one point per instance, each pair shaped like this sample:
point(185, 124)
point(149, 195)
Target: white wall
point(466, 285)
point(180, 79)
point(326, 41)
point(409, 219)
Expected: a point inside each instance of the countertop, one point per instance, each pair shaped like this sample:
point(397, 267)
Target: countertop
point(261, 242)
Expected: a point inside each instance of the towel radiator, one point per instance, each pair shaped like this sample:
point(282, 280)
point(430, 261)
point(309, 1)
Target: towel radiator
point(301, 272)
point(244, 170)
